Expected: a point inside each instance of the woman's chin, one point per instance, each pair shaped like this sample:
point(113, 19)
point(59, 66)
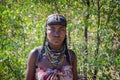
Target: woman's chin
point(56, 43)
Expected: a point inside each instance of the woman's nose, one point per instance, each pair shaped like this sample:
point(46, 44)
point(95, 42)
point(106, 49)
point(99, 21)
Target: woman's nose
point(56, 33)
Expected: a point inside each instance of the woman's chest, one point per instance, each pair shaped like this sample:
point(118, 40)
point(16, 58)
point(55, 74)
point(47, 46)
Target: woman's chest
point(45, 63)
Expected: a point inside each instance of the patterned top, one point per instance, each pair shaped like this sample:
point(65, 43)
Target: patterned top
point(64, 74)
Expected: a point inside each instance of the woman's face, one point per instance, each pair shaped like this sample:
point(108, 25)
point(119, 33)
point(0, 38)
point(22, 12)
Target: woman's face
point(56, 34)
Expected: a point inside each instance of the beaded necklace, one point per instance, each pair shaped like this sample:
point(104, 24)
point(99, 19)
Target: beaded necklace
point(55, 58)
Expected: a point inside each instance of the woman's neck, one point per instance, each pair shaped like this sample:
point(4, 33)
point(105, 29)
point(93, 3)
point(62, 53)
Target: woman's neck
point(55, 47)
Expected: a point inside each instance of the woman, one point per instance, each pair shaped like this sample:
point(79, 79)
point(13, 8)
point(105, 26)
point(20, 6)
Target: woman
point(54, 61)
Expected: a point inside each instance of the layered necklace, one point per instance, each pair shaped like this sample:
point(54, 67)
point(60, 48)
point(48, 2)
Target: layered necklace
point(55, 58)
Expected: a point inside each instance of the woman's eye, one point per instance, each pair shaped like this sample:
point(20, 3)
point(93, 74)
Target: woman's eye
point(51, 29)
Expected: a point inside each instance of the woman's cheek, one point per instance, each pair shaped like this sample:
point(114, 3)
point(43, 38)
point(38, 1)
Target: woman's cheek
point(48, 31)
point(63, 33)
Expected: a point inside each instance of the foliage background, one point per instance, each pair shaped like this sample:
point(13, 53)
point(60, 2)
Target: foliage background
point(93, 33)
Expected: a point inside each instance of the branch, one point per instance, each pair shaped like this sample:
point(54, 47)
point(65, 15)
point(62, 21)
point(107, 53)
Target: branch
point(109, 15)
point(56, 7)
point(86, 36)
point(86, 28)
point(98, 38)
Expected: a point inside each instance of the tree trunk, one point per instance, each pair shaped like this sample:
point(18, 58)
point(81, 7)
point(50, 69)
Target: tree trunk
point(98, 39)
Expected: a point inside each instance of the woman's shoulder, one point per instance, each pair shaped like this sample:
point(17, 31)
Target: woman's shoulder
point(35, 51)
point(71, 52)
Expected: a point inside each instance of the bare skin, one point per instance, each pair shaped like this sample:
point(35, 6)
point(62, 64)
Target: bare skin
point(56, 35)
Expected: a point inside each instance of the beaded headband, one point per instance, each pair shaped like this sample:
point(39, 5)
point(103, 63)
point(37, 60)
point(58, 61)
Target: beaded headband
point(54, 19)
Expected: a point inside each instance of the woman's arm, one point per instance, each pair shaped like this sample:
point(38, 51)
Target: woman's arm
point(75, 68)
point(74, 64)
point(30, 75)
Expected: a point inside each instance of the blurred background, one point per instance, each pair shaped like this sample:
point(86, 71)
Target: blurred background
point(93, 32)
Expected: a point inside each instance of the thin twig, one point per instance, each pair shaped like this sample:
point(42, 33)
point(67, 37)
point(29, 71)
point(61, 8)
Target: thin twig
point(98, 38)
point(56, 6)
point(86, 37)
